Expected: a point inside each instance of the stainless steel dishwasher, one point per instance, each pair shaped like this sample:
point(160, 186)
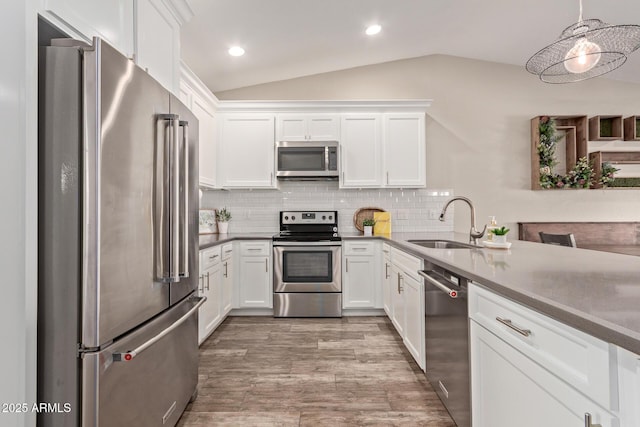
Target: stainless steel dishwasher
point(447, 340)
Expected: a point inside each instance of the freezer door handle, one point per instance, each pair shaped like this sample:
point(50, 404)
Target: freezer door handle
point(130, 355)
point(167, 198)
point(184, 217)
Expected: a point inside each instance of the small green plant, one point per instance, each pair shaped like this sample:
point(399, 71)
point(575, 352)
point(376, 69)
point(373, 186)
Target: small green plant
point(502, 231)
point(607, 174)
point(223, 215)
point(368, 222)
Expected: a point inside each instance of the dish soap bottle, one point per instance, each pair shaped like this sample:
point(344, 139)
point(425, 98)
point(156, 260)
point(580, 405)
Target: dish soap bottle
point(492, 226)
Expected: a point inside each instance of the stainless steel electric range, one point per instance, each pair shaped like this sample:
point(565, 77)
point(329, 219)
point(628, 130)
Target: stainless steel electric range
point(307, 265)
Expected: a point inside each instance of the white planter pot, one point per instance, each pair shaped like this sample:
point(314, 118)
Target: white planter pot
point(223, 227)
point(499, 239)
point(368, 230)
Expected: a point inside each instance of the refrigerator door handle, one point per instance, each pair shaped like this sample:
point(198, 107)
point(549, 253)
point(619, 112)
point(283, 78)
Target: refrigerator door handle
point(184, 217)
point(167, 198)
point(130, 355)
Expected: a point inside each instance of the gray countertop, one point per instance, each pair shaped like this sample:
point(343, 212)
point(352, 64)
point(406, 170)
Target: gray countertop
point(596, 292)
point(209, 240)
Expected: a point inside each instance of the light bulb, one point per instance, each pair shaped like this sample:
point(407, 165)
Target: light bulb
point(582, 57)
point(236, 51)
point(373, 29)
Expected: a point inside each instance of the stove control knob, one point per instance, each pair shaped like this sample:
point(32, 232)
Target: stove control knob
point(324, 217)
point(330, 217)
point(335, 228)
point(286, 217)
point(293, 218)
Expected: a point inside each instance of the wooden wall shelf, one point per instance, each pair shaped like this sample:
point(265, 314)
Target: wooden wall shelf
point(605, 128)
point(632, 128)
point(575, 128)
point(597, 158)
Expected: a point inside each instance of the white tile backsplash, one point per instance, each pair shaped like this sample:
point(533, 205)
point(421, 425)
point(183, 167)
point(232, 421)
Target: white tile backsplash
point(257, 210)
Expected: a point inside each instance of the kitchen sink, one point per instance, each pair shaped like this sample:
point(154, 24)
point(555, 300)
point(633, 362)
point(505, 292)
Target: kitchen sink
point(443, 244)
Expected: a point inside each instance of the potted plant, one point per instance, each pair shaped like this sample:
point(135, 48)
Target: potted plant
point(500, 235)
point(223, 216)
point(368, 224)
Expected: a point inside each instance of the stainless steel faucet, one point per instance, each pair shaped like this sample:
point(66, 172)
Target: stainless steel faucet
point(474, 234)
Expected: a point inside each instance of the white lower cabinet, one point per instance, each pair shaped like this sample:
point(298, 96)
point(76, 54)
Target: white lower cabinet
point(360, 276)
point(255, 275)
point(529, 370)
point(227, 278)
point(406, 301)
point(386, 280)
point(629, 383)
point(414, 338)
point(209, 286)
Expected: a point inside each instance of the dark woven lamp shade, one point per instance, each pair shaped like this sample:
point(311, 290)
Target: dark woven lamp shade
point(586, 49)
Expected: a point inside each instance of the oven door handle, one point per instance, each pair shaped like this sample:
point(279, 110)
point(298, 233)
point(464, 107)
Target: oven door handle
point(307, 244)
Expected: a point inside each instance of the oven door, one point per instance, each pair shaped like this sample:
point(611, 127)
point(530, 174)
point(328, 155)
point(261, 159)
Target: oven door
point(307, 267)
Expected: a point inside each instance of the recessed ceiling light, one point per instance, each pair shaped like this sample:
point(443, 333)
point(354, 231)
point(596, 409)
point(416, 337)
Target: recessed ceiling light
point(236, 51)
point(373, 29)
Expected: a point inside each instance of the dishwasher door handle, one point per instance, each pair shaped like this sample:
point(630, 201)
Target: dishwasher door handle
point(451, 292)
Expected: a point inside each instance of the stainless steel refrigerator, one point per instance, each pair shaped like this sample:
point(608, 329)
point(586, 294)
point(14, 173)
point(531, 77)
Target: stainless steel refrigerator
point(118, 248)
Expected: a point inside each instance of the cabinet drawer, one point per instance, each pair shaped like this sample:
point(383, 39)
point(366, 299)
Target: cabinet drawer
point(358, 248)
point(209, 257)
point(255, 248)
point(386, 249)
point(407, 263)
point(227, 251)
point(579, 359)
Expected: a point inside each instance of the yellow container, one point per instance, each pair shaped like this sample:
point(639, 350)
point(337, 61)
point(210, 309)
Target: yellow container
point(383, 223)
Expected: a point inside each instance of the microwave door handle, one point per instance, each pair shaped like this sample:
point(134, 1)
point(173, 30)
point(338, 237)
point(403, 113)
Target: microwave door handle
point(184, 218)
point(166, 198)
point(326, 157)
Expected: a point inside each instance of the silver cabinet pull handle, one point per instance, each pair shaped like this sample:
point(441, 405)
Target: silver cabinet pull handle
point(208, 274)
point(130, 355)
point(398, 285)
point(213, 257)
point(226, 269)
point(451, 292)
point(401, 290)
point(346, 265)
point(386, 270)
point(266, 265)
point(587, 421)
point(509, 323)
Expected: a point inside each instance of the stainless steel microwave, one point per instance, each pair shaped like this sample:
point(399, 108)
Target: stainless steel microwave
point(307, 159)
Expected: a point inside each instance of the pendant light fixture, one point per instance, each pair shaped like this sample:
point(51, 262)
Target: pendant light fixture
point(586, 49)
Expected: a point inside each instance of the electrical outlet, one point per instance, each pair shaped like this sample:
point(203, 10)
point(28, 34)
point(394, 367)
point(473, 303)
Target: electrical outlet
point(432, 214)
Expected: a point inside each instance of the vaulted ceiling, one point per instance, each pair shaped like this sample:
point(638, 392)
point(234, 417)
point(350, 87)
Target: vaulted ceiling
point(284, 39)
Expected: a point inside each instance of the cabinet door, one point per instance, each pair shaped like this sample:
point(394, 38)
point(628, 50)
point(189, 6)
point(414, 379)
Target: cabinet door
point(227, 286)
point(387, 302)
point(292, 127)
point(361, 151)
point(109, 20)
point(208, 134)
point(404, 153)
point(255, 283)
point(397, 301)
point(358, 282)
point(509, 389)
point(209, 313)
point(414, 323)
point(157, 35)
point(247, 151)
point(323, 127)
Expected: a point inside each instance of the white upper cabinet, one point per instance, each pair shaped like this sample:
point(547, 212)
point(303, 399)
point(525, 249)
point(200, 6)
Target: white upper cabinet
point(199, 99)
point(110, 20)
point(308, 127)
point(157, 42)
point(247, 148)
point(404, 150)
point(361, 150)
point(208, 135)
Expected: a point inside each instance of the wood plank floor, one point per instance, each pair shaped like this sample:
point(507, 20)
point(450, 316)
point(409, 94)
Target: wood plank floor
point(261, 371)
